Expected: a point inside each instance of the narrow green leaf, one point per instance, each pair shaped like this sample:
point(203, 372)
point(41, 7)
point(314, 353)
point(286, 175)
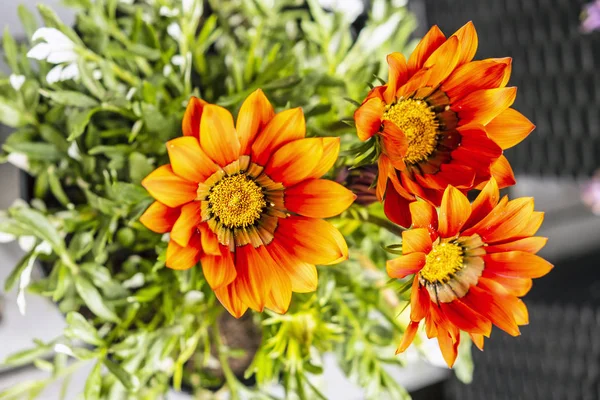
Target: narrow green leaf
point(16, 272)
point(10, 51)
point(79, 328)
point(131, 382)
point(87, 78)
point(78, 121)
point(43, 228)
point(93, 384)
point(139, 167)
point(71, 98)
point(27, 20)
point(129, 193)
point(93, 300)
point(52, 20)
point(26, 356)
point(34, 150)
point(11, 115)
point(56, 187)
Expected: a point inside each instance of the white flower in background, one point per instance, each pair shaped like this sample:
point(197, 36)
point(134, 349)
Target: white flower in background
point(135, 281)
point(26, 243)
point(56, 48)
point(16, 81)
point(174, 30)
point(168, 12)
point(19, 160)
point(6, 237)
point(350, 8)
point(74, 152)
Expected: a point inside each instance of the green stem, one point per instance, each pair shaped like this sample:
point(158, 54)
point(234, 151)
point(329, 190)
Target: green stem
point(126, 76)
point(230, 378)
point(385, 224)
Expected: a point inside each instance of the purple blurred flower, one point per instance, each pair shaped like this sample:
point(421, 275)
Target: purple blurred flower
point(591, 194)
point(591, 17)
point(361, 181)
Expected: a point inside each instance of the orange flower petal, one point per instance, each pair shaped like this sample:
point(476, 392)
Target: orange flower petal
point(186, 223)
point(507, 222)
point(218, 270)
point(405, 265)
point(529, 245)
point(464, 318)
point(254, 275)
point(416, 241)
point(442, 61)
point(409, 336)
point(169, 188)
point(192, 116)
point(503, 173)
point(513, 305)
point(517, 264)
point(513, 285)
point(318, 198)
point(476, 75)
point(532, 226)
point(188, 160)
point(397, 207)
point(477, 340)
point(295, 161)
point(159, 218)
point(419, 301)
point(509, 128)
point(485, 304)
point(507, 71)
point(424, 215)
point(484, 203)
point(281, 295)
point(313, 241)
point(254, 115)
point(467, 36)
point(217, 135)
point(210, 242)
point(303, 276)
point(287, 126)
point(181, 258)
point(482, 106)
point(230, 299)
point(430, 42)
point(454, 212)
point(397, 76)
point(331, 150)
point(368, 118)
point(448, 347)
point(395, 144)
point(384, 167)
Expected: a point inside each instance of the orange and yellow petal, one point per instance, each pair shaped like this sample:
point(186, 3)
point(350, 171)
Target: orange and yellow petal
point(430, 42)
point(419, 301)
point(159, 218)
point(509, 128)
point(295, 161)
point(186, 224)
point(230, 299)
point(318, 198)
point(502, 172)
point(313, 241)
point(416, 240)
point(398, 75)
point(284, 127)
point(218, 137)
point(409, 336)
point(182, 258)
point(442, 62)
point(405, 265)
point(219, 270)
point(281, 293)
point(482, 106)
point(368, 118)
point(168, 188)
point(517, 264)
point(256, 112)
point(454, 212)
point(191, 119)
point(476, 75)
point(188, 160)
point(303, 276)
point(467, 36)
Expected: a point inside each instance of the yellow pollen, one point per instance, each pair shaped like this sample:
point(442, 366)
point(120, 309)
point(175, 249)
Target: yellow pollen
point(237, 201)
point(442, 261)
point(417, 121)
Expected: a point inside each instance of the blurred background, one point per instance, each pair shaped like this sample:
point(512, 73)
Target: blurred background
point(556, 66)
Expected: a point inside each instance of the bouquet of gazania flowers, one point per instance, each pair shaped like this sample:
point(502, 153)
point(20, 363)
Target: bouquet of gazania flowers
point(210, 216)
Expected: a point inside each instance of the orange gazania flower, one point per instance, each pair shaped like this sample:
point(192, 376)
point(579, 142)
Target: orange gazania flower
point(247, 202)
point(441, 120)
point(471, 265)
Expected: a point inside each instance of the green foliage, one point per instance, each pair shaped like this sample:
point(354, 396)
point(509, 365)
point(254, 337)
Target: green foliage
point(89, 141)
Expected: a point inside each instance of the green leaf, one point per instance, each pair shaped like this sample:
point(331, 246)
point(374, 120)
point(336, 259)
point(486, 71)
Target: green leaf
point(129, 193)
point(93, 384)
point(26, 356)
point(139, 167)
point(11, 115)
point(27, 20)
point(88, 80)
point(51, 135)
point(131, 382)
point(34, 151)
point(31, 94)
point(56, 187)
point(146, 294)
point(71, 98)
point(79, 328)
point(81, 244)
point(78, 121)
point(16, 272)
point(10, 51)
point(44, 230)
point(93, 300)
point(52, 20)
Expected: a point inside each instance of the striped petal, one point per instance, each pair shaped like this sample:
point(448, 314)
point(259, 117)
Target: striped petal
point(318, 198)
point(168, 188)
point(159, 218)
point(231, 300)
point(303, 276)
point(182, 258)
point(254, 115)
point(219, 271)
point(287, 126)
point(405, 265)
point(192, 116)
point(295, 161)
point(218, 137)
point(186, 224)
point(517, 264)
point(368, 118)
point(188, 160)
point(454, 212)
point(416, 241)
point(430, 42)
point(482, 106)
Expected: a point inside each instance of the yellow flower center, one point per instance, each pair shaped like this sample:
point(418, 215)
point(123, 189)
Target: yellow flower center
point(443, 260)
point(237, 201)
point(418, 122)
